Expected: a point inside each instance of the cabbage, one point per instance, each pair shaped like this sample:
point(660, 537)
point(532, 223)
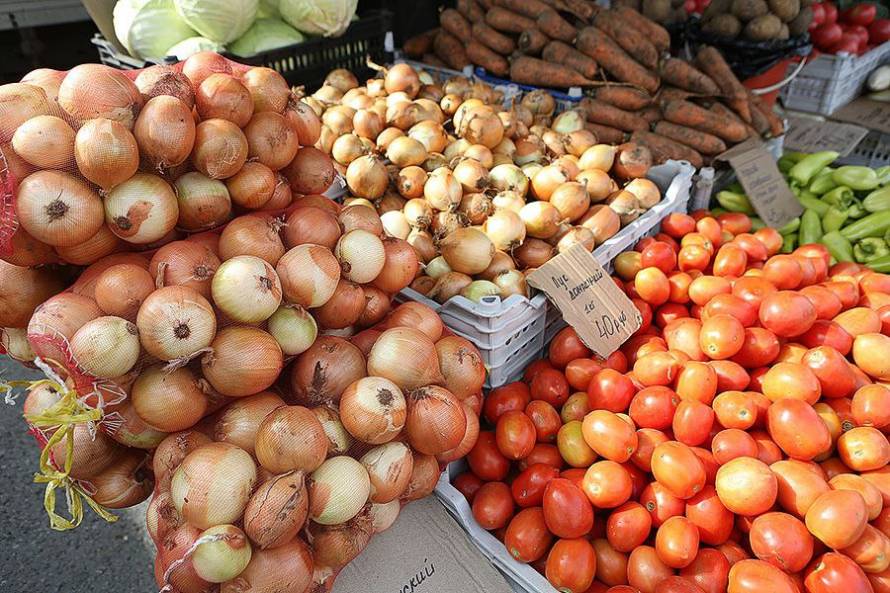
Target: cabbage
point(265, 34)
point(221, 21)
point(188, 47)
point(330, 18)
point(268, 10)
point(148, 27)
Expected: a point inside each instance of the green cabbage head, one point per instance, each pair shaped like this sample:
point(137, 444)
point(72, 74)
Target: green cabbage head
point(146, 28)
point(222, 21)
point(329, 18)
point(189, 47)
point(263, 35)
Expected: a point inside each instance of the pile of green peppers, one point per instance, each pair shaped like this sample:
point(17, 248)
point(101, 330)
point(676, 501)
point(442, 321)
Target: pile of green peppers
point(846, 208)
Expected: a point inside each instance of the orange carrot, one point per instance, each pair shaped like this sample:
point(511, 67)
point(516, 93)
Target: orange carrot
point(615, 60)
point(450, 50)
point(535, 72)
point(608, 115)
point(508, 21)
point(691, 115)
point(711, 61)
point(562, 53)
point(471, 10)
point(664, 149)
point(654, 32)
point(493, 62)
point(421, 44)
point(631, 40)
point(532, 41)
point(454, 22)
point(528, 8)
point(494, 40)
point(626, 97)
point(696, 139)
point(650, 113)
point(556, 27)
point(759, 121)
point(606, 134)
point(672, 93)
point(724, 111)
point(684, 75)
point(776, 125)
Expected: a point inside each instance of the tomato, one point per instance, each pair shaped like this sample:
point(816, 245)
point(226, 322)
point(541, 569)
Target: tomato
point(730, 375)
point(609, 435)
point(697, 381)
point(783, 271)
point(871, 406)
point(709, 570)
point(515, 435)
point(704, 288)
point(512, 396)
point(879, 31)
point(641, 345)
point(826, 303)
point(610, 390)
point(574, 450)
point(746, 486)
point(832, 370)
point(566, 347)
point(797, 429)
point(759, 348)
point(869, 551)
point(752, 290)
point(575, 408)
point(611, 565)
point(730, 443)
point(735, 409)
point(757, 576)
point(791, 380)
point(657, 368)
point(708, 462)
point(493, 505)
point(528, 487)
point(645, 569)
point(550, 385)
point(680, 282)
point(653, 407)
point(485, 459)
point(575, 475)
point(682, 335)
point(693, 257)
point(652, 285)
point(607, 484)
point(670, 312)
point(826, 36)
point(731, 305)
point(627, 265)
point(827, 333)
point(721, 336)
point(660, 503)
point(735, 222)
point(782, 540)
point(858, 320)
point(730, 260)
point(864, 448)
point(658, 255)
point(645, 310)
point(884, 314)
point(787, 313)
point(835, 572)
point(628, 526)
point(707, 513)
point(861, 14)
point(678, 469)
point(571, 565)
point(676, 542)
point(881, 479)
point(567, 511)
point(692, 422)
point(545, 420)
point(799, 484)
point(874, 502)
point(678, 224)
point(710, 228)
point(647, 440)
point(837, 517)
point(677, 584)
point(527, 538)
point(542, 453)
point(467, 484)
point(580, 371)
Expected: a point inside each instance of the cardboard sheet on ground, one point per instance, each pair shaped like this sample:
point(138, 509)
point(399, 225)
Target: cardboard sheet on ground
point(426, 551)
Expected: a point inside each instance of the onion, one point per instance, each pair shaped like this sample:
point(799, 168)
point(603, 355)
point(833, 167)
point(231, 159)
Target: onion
point(338, 490)
point(213, 484)
point(361, 256)
point(57, 208)
point(92, 453)
point(220, 148)
point(437, 267)
point(471, 435)
point(221, 560)
point(602, 221)
point(131, 430)
point(223, 96)
point(423, 245)
point(400, 266)
point(505, 148)
point(579, 141)
point(90, 91)
point(339, 439)
point(461, 365)
point(165, 132)
point(204, 63)
point(434, 161)
point(124, 483)
point(500, 262)
point(508, 178)
point(407, 357)
point(570, 200)
point(533, 253)
point(569, 121)
point(365, 339)
point(161, 517)
point(317, 201)
point(541, 219)
point(308, 275)
point(402, 77)
point(599, 157)
point(103, 243)
point(424, 477)
point(436, 421)
point(372, 409)
point(481, 154)
point(268, 89)
point(443, 191)
point(277, 510)
point(311, 226)
point(28, 251)
point(366, 177)
point(245, 360)
point(142, 209)
point(310, 172)
point(632, 161)
point(175, 322)
point(626, 205)
point(531, 169)
point(389, 467)
point(60, 316)
point(450, 102)
point(344, 308)
point(360, 217)
point(45, 141)
point(456, 149)
point(431, 134)
point(480, 289)
point(271, 140)
point(547, 180)
point(539, 102)
point(377, 305)
point(171, 566)
point(335, 546)
point(20, 102)
point(156, 392)
point(325, 370)
point(467, 250)
point(579, 234)
point(347, 148)
point(418, 212)
point(184, 263)
point(106, 152)
point(448, 285)
point(160, 80)
point(204, 203)
point(508, 200)
point(246, 289)
point(405, 151)
point(293, 328)
point(479, 125)
point(239, 422)
point(528, 152)
point(555, 143)
point(417, 316)
point(291, 438)
point(367, 123)
point(252, 186)
point(285, 568)
point(471, 175)
point(339, 119)
point(170, 453)
point(106, 347)
point(49, 80)
point(342, 79)
point(14, 341)
point(598, 184)
point(303, 120)
point(445, 223)
point(646, 192)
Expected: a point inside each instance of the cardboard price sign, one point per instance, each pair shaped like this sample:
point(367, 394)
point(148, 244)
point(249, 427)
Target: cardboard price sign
point(871, 114)
point(589, 301)
point(810, 135)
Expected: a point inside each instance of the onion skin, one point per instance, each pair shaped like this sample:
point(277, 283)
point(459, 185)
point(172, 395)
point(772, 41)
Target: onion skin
point(467, 250)
point(339, 439)
point(405, 356)
point(533, 253)
point(309, 275)
point(293, 328)
point(373, 410)
point(245, 360)
point(335, 546)
point(58, 209)
point(436, 421)
point(165, 80)
point(22, 290)
point(365, 339)
point(424, 478)
point(449, 285)
point(632, 161)
point(389, 467)
point(124, 483)
point(268, 89)
point(90, 91)
point(220, 148)
point(283, 569)
point(165, 132)
point(45, 141)
point(254, 235)
point(400, 266)
point(277, 511)
point(29, 252)
point(271, 140)
point(91, 456)
point(338, 490)
point(252, 186)
point(291, 438)
point(161, 517)
point(239, 422)
point(224, 97)
point(361, 254)
point(156, 392)
point(171, 451)
point(310, 172)
point(602, 221)
point(175, 322)
point(142, 209)
point(185, 263)
point(461, 365)
point(121, 289)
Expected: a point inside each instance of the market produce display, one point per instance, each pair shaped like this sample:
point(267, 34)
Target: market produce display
point(855, 30)
point(758, 20)
point(736, 443)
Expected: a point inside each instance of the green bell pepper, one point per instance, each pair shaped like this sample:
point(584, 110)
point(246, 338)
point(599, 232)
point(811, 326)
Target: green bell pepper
point(869, 249)
point(807, 168)
point(841, 196)
point(791, 227)
point(810, 227)
point(873, 225)
point(757, 223)
point(857, 178)
point(883, 174)
point(789, 242)
point(735, 202)
point(785, 164)
point(834, 219)
point(880, 264)
point(856, 209)
point(824, 182)
point(794, 156)
point(814, 204)
point(877, 200)
point(838, 246)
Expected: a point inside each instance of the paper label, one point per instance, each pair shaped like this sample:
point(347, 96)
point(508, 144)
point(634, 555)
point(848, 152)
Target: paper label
point(589, 300)
point(810, 135)
point(764, 184)
point(874, 115)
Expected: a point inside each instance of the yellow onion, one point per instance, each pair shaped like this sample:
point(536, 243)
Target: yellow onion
point(253, 235)
point(405, 151)
point(405, 356)
point(360, 216)
point(304, 121)
point(395, 224)
point(361, 256)
point(508, 177)
point(321, 373)
point(224, 97)
point(335, 546)
point(204, 203)
point(400, 266)
point(434, 161)
point(578, 234)
point(366, 177)
point(339, 119)
point(244, 360)
point(626, 205)
point(239, 422)
point(501, 262)
point(385, 138)
point(156, 392)
point(29, 252)
point(417, 316)
point(58, 316)
point(391, 201)
point(344, 308)
point(293, 328)
point(402, 77)
point(389, 467)
point(170, 453)
point(106, 347)
point(142, 209)
point(547, 180)
point(423, 245)
point(58, 209)
point(555, 143)
point(252, 186)
point(92, 453)
point(598, 184)
point(185, 263)
point(246, 289)
point(541, 219)
point(539, 102)
point(599, 157)
point(508, 200)
point(14, 341)
point(131, 430)
point(449, 285)
point(103, 243)
point(367, 123)
point(223, 555)
point(443, 191)
point(338, 490)
point(309, 275)
point(436, 421)
point(471, 175)
point(175, 322)
point(165, 132)
point(161, 517)
point(268, 89)
point(533, 253)
point(171, 565)
point(471, 435)
point(569, 164)
point(602, 221)
point(461, 365)
point(220, 148)
point(479, 125)
point(481, 154)
point(165, 80)
point(90, 91)
point(467, 250)
point(424, 477)
point(456, 149)
point(646, 192)
point(213, 484)
point(571, 200)
point(479, 289)
point(277, 511)
point(285, 568)
point(510, 283)
point(271, 140)
point(339, 439)
point(20, 103)
point(384, 515)
point(431, 134)
point(311, 225)
point(124, 483)
point(291, 438)
point(373, 409)
point(418, 212)
point(45, 141)
point(347, 148)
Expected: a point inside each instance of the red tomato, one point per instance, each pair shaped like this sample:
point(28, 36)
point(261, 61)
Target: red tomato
point(678, 469)
point(697, 381)
point(610, 435)
point(746, 486)
point(735, 409)
point(787, 313)
point(571, 565)
point(797, 429)
point(755, 246)
point(753, 289)
point(670, 312)
point(730, 375)
point(659, 255)
point(528, 487)
point(714, 521)
point(827, 333)
point(676, 542)
point(757, 576)
point(574, 475)
point(710, 228)
point(693, 257)
point(580, 371)
point(678, 224)
point(486, 461)
point(653, 407)
point(799, 484)
point(879, 31)
point(835, 572)
point(708, 462)
point(721, 336)
point(652, 285)
point(692, 422)
point(782, 540)
point(527, 538)
point(542, 453)
point(837, 517)
point(791, 380)
point(567, 511)
point(493, 505)
point(735, 223)
point(607, 484)
point(512, 396)
point(572, 446)
point(682, 335)
point(550, 385)
point(515, 435)
point(871, 406)
point(827, 35)
point(647, 440)
point(677, 584)
point(730, 260)
point(759, 348)
point(566, 347)
point(869, 551)
point(730, 443)
point(576, 407)
point(861, 14)
point(534, 368)
point(864, 448)
point(818, 15)
point(731, 305)
point(467, 484)
point(645, 569)
point(660, 503)
point(610, 390)
point(611, 565)
point(545, 419)
point(628, 526)
point(709, 570)
point(705, 288)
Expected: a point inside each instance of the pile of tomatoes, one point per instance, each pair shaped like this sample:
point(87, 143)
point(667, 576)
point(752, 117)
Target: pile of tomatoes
point(736, 443)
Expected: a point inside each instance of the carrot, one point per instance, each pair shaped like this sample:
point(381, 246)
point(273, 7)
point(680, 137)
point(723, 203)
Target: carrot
point(532, 41)
point(696, 139)
point(711, 62)
point(433, 60)
point(664, 149)
point(606, 134)
point(672, 93)
point(556, 27)
point(493, 62)
point(650, 113)
point(776, 125)
point(453, 22)
point(759, 121)
point(528, 8)
point(684, 75)
point(486, 4)
point(633, 41)
point(531, 71)
point(691, 115)
point(562, 53)
point(450, 50)
point(582, 9)
point(421, 44)
point(508, 21)
point(493, 39)
point(470, 10)
point(609, 115)
point(654, 32)
point(724, 111)
point(625, 97)
point(615, 60)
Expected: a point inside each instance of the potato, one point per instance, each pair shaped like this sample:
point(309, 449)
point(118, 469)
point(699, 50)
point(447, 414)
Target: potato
point(801, 22)
point(716, 8)
point(784, 33)
point(785, 9)
point(748, 10)
point(764, 28)
point(723, 25)
point(657, 10)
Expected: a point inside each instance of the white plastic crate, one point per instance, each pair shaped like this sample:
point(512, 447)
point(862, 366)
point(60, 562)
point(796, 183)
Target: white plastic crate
point(510, 333)
point(872, 151)
point(830, 81)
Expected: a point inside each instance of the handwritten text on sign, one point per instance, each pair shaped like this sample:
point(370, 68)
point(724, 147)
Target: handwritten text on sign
point(589, 300)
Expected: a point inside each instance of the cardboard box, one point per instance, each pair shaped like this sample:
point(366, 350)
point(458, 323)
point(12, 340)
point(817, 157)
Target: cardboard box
point(426, 551)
